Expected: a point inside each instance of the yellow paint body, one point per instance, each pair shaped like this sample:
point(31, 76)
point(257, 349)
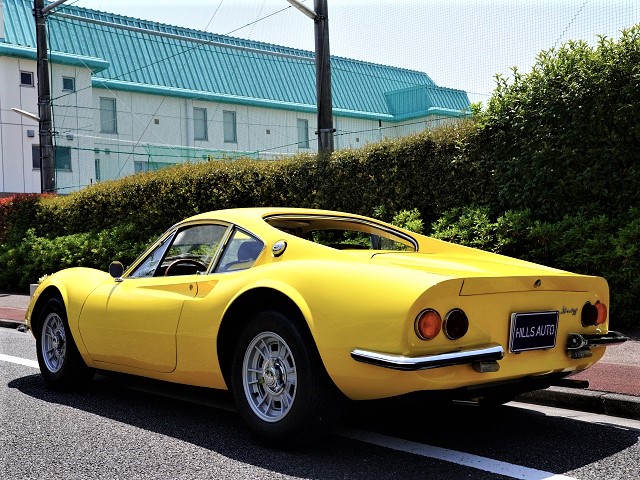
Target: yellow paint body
point(167, 327)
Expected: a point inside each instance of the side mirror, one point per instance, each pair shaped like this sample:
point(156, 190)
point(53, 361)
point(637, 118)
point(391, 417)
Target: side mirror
point(116, 269)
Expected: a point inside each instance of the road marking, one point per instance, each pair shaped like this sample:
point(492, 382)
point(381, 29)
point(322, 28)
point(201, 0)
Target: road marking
point(452, 456)
point(19, 361)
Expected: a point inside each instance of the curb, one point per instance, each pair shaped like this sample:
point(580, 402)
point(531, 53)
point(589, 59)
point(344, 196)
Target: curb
point(4, 323)
point(604, 403)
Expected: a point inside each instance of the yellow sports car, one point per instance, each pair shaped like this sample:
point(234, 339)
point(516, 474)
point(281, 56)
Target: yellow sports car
point(296, 310)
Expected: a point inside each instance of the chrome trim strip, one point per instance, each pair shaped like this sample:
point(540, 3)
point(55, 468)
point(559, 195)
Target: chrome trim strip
point(400, 362)
point(346, 218)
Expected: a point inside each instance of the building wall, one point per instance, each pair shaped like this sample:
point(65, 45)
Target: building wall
point(16, 164)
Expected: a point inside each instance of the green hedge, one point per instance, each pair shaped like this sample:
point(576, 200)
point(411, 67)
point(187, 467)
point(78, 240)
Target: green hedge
point(430, 171)
point(602, 246)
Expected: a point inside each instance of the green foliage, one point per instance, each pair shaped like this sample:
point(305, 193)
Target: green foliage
point(35, 256)
point(467, 226)
point(563, 138)
point(17, 213)
point(409, 220)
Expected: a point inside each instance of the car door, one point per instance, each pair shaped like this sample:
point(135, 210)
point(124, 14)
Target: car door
point(133, 321)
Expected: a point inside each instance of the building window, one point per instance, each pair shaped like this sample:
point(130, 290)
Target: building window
point(63, 158)
point(200, 130)
point(140, 166)
point(26, 79)
point(229, 123)
point(35, 156)
point(97, 169)
point(68, 84)
point(303, 133)
point(108, 123)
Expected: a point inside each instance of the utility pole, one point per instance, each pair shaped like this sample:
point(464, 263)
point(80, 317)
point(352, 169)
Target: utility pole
point(323, 72)
point(45, 126)
point(323, 78)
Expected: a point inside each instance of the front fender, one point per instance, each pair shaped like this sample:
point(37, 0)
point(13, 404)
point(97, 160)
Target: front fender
point(73, 286)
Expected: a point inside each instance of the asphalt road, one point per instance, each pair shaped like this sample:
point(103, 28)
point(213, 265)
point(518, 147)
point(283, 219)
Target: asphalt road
point(124, 428)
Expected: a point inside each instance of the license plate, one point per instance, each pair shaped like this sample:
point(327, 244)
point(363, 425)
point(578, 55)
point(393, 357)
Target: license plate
point(533, 331)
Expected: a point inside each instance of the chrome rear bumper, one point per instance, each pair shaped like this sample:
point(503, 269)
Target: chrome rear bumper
point(490, 353)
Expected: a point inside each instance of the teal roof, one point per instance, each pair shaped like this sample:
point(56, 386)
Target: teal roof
point(138, 55)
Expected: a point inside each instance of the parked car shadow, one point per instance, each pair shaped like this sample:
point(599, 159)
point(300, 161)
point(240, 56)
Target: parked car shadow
point(204, 418)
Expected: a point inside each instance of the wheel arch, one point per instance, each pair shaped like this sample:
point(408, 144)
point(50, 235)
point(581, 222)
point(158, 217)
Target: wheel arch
point(49, 292)
point(245, 306)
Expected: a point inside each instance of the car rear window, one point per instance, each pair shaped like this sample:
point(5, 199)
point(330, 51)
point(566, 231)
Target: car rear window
point(344, 233)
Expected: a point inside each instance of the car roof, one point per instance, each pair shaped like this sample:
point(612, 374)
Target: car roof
point(252, 216)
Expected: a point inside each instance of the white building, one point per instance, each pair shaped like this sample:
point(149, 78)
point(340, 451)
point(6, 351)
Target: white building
point(130, 95)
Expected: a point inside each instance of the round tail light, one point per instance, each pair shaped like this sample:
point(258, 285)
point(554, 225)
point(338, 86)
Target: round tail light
point(456, 324)
point(602, 313)
point(428, 324)
point(593, 314)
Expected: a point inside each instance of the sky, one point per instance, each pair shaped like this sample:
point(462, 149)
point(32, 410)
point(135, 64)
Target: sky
point(460, 44)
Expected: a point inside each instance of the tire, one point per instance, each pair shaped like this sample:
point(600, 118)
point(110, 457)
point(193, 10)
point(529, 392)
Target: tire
point(61, 364)
point(279, 384)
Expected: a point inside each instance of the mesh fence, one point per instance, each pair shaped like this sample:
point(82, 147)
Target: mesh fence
point(155, 105)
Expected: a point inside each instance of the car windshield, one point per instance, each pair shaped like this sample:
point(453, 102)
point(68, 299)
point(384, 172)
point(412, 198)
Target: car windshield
point(189, 250)
point(344, 233)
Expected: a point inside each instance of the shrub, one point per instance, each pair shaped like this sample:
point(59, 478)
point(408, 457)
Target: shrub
point(563, 138)
point(17, 214)
point(469, 226)
point(35, 256)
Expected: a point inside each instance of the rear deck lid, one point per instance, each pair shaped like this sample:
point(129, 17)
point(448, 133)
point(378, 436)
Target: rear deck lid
point(488, 273)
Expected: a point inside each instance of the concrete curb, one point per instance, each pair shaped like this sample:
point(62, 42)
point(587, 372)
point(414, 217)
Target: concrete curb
point(592, 401)
point(12, 324)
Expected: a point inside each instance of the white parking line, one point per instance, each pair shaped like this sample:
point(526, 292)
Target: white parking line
point(415, 448)
point(452, 456)
point(19, 361)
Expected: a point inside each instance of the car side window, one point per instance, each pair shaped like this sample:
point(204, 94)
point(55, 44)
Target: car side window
point(190, 251)
point(240, 253)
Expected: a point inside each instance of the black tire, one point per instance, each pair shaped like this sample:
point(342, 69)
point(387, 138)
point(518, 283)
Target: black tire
point(288, 398)
point(61, 364)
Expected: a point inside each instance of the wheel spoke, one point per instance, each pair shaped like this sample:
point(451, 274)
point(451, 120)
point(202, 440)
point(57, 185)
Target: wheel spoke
point(269, 404)
point(263, 398)
point(260, 352)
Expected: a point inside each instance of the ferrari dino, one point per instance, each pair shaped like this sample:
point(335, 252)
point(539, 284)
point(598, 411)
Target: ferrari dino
point(295, 311)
